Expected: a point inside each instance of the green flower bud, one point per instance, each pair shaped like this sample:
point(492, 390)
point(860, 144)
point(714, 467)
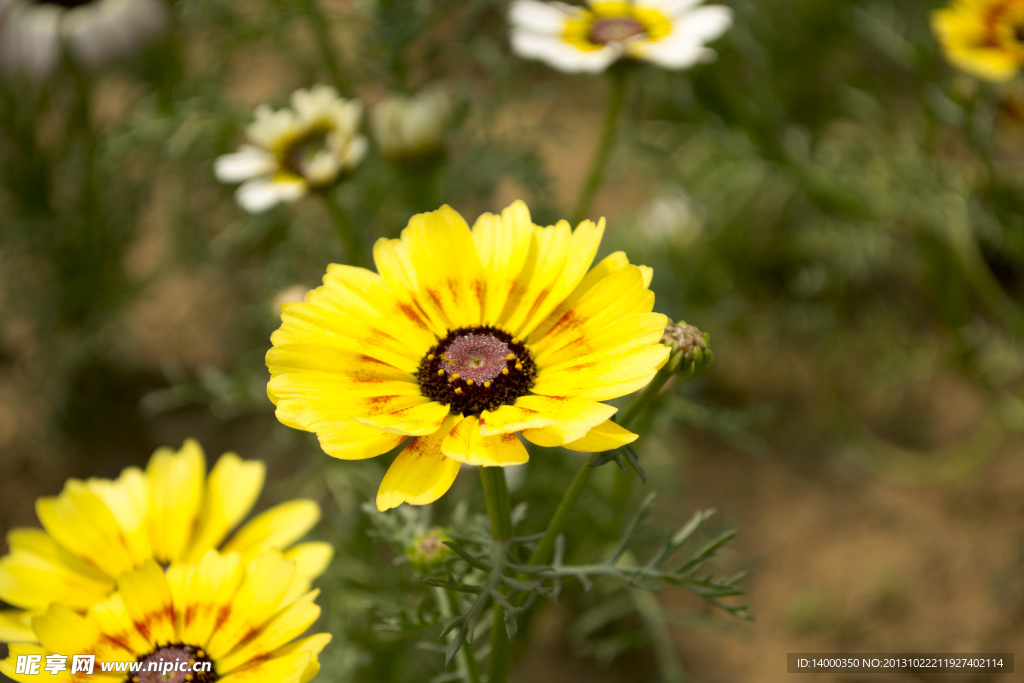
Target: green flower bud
point(690, 349)
point(427, 551)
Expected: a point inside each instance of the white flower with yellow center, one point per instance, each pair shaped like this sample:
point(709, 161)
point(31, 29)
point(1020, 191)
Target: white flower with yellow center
point(669, 33)
point(309, 146)
point(33, 33)
point(411, 128)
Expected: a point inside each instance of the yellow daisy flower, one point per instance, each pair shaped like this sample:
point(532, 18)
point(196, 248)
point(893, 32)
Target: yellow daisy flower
point(220, 619)
point(97, 530)
point(462, 340)
point(983, 37)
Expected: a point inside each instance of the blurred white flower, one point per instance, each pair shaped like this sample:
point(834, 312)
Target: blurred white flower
point(669, 33)
point(294, 150)
point(411, 128)
point(34, 33)
point(671, 217)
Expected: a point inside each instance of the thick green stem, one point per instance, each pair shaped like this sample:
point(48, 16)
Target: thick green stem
point(465, 664)
point(558, 522)
point(499, 510)
point(348, 233)
point(326, 43)
point(618, 78)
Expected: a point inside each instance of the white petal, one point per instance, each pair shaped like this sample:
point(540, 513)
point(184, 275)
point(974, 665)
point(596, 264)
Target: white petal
point(256, 196)
point(247, 162)
point(563, 56)
point(540, 17)
point(30, 40)
point(673, 54)
point(703, 24)
point(670, 8)
point(270, 126)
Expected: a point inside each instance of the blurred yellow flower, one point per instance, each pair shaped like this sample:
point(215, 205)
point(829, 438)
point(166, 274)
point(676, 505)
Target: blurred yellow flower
point(669, 33)
point(983, 37)
point(464, 339)
point(97, 530)
point(221, 619)
point(309, 146)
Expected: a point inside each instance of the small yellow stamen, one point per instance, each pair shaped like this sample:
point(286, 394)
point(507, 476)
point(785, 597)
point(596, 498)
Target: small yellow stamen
point(430, 356)
point(200, 653)
point(510, 356)
point(188, 677)
point(469, 382)
point(487, 385)
point(444, 356)
point(515, 340)
point(504, 371)
point(440, 372)
point(519, 366)
point(458, 390)
point(456, 376)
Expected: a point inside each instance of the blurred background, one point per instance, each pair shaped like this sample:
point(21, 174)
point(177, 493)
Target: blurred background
point(830, 200)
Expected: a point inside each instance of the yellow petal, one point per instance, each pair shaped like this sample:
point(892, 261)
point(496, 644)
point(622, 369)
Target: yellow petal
point(127, 498)
point(276, 528)
point(311, 559)
point(37, 572)
point(620, 294)
point(606, 436)
point(16, 626)
point(396, 269)
point(600, 344)
point(119, 639)
point(502, 243)
point(580, 254)
point(420, 420)
point(421, 473)
point(544, 263)
point(610, 264)
point(9, 666)
point(573, 417)
point(203, 594)
point(466, 444)
point(303, 323)
point(61, 630)
point(349, 440)
point(267, 577)
point(231, 490)
point(303, 397)
point(311, 645)
point(448, 270)
point(175, 490)
point(332, 359)
point(282, 628)
point(79, 520)
point(147, 598)
point(602, 381)
point(512, 418)
point(287, 669)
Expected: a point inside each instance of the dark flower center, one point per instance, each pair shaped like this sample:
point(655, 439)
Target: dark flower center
point(298, 153)
point(474, 369)
point(176, 663)
point(615, 30)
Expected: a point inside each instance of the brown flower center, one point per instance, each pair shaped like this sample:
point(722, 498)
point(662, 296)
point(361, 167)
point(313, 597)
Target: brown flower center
point(176, 663)
point(615, 30)
point(297, 154)
point(478, 368)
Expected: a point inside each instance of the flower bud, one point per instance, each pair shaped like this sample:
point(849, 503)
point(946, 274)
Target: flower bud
point(690, 350)
point(428, 551)
point(410, 129)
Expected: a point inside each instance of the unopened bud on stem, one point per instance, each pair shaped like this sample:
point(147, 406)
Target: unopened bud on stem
point(690, 349)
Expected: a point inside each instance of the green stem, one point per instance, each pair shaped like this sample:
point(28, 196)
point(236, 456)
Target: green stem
point(465, 664)
point(348, 233)
point(618, 78)
point(499, 510)
point(558, 522)
point(326, 43)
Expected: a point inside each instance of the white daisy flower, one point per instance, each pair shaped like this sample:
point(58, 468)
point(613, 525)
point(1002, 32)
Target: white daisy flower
point(294, 150)
point(409, 128)
point(669, 33)
point(35, 33)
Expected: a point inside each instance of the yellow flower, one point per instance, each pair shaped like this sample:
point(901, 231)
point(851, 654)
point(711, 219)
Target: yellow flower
point(983, 37)
point(97, 530)
point(669, 33)
point(224, 619)
point(464, 339)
